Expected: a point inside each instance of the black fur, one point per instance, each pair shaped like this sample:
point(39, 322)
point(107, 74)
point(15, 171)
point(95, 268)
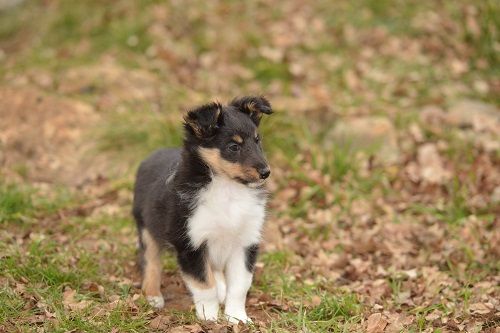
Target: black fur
point(253, 106)
point(251, 256)
point(204, 121)
point(159, 207)
point(169, 179)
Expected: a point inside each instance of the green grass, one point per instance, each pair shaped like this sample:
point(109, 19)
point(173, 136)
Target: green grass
point(333, 314)
point(44, 267)
point(336, 312)
point(266, 71)
point(15, 202)
point(64, 25)
point(20, 203)
point(454, 209)
point(43, 263)
point(12, 304)
point(133, 133)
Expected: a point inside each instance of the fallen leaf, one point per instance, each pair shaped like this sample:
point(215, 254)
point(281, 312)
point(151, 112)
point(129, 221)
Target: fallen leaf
point(479, 308)
point(376, 323)
point(180, 329)
point(160, 322)
point(431, 166)
point(69, 301)
point(315, 300)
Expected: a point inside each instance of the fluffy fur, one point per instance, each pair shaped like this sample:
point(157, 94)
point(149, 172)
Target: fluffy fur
point(207, 201)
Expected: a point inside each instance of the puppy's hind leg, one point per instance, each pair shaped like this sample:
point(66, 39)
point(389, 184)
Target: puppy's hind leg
point(151, 270)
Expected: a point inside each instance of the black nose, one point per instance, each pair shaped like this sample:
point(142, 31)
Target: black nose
point(264, 172)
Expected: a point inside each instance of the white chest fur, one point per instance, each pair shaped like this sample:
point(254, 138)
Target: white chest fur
point(228, 216)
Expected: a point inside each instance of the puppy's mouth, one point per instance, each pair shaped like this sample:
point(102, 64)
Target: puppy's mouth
point(251, 183)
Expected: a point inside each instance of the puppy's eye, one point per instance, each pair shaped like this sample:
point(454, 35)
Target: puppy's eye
point(257, 139)
point(234, 147)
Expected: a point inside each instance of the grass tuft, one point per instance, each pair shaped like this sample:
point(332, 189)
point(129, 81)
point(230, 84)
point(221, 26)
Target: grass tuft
point(15, 202)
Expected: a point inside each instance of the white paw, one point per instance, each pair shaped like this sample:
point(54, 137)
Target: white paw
point(156, 302)
point(207, 310)
point(235, 318)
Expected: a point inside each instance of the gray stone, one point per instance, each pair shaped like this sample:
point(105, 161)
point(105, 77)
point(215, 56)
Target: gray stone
point(474, 114)
point(373, 134)
point(7, 4)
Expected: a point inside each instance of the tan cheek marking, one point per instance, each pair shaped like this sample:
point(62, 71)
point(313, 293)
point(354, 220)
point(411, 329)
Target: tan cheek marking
point(252, 173)
point(212, 157)
point(234, 170)
point(207, 284)
point(152, 269)
point(237, 138)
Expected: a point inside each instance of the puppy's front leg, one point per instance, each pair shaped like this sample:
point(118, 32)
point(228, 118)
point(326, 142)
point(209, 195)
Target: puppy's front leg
point(199, 279)
point(239, 273)
point(220, 283)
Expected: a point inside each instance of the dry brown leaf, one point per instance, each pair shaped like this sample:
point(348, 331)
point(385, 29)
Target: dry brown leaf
point(160, 322)
point(436, 314)
point(315, 300)
point(196, 328)
point(397, 322)
point(69, 301)
point(479, 308)
point(431, 166)
point(376, 323)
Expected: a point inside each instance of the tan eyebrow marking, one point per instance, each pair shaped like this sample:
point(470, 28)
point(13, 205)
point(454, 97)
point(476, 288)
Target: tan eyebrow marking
point(237, 138)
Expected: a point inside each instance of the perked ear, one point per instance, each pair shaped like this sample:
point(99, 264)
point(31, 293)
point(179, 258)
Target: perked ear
point(254, 106)
point(204, 120)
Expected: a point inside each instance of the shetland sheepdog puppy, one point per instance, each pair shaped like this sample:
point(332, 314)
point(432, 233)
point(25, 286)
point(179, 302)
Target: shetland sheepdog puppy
point(207, 201)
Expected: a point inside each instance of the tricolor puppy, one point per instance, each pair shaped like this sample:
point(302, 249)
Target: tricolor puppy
point(206, 200)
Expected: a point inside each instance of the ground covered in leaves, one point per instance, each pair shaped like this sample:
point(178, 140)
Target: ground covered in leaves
point(385, 149)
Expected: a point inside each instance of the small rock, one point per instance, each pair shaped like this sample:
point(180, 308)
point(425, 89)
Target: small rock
point(474, 114)
point(374, 134)
point(7, 4)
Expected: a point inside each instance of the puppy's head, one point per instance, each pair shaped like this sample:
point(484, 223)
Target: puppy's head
point(227, 138)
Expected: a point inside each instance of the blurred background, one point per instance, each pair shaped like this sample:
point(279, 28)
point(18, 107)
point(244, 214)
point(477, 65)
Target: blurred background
point(384, 146)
